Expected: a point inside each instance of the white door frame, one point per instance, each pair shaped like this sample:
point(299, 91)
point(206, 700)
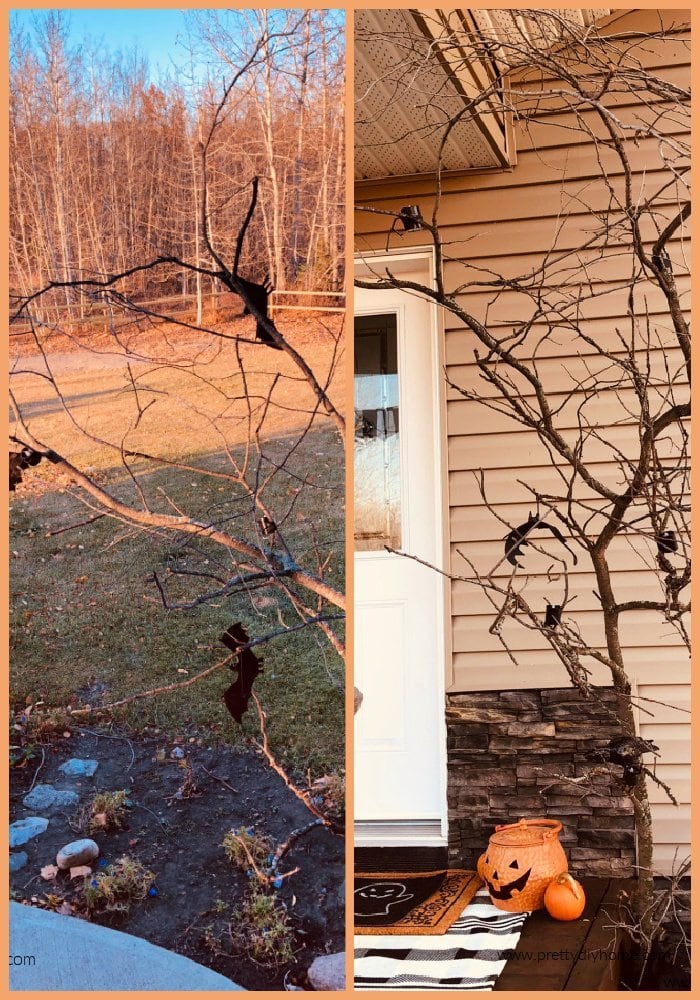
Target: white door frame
point(422, 831)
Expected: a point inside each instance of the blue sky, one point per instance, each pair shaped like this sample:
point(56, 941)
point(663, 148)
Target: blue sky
point(153, 32)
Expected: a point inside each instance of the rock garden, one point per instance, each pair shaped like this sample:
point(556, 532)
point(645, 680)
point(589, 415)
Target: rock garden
point(161, 837)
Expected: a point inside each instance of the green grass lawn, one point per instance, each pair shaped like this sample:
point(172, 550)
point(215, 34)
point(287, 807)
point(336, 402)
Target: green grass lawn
point(86, 617)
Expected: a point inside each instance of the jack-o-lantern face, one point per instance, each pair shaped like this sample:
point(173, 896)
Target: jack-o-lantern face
point(521, 861)
point(498, 887)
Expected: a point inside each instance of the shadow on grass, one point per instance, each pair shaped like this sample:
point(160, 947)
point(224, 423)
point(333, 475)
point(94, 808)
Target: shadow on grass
point(88, 625)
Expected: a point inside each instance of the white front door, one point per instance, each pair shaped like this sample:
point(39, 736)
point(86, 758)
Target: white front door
point(400, 752)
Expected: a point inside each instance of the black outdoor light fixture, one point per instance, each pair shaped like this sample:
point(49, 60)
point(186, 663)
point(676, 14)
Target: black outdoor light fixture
point(553, 616)
point(410, 218)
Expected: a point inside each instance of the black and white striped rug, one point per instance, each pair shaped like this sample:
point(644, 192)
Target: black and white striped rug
point(470, 956)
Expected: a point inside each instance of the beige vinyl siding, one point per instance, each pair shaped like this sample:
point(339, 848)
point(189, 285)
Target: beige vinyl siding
point(503, 222)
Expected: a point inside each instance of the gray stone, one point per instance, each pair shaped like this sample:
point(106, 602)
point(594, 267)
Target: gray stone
point(26, 829)
point(514, 804)
point(537, 744)
point(506, 749)
point(572, 808)
point(487, 778)
point(78, 852)
point(46, 798)
point(76, 768)
point(72, 954)
point(531, 729)
point(545, 771)
point(612, 804)
point(480, 713)
point(590, 854)
point(327, 972)
point(18, 861)
point(607, 822)
point(611, 867)
point(529, 699)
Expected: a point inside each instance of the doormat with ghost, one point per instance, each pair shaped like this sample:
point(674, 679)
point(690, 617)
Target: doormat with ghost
point(411, 902)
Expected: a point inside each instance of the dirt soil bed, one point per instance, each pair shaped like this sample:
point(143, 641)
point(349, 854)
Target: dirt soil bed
point(180, 840)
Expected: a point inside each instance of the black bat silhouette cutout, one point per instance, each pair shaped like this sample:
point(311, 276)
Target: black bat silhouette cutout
point(517, 538)
point(252, 293)
point(623, 750)
point(267, 525)
point(259, 295)
point(667, 542)
point(627, 752)
point(21, 460)
point(247, 667)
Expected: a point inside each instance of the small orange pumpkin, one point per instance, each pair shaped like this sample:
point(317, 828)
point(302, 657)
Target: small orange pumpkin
point(564, 898)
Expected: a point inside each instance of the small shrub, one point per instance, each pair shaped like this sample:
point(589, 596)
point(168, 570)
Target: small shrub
point(237, 842)
point(115, 889)
point(212, 941)
point(105, 812)
point(45, 724)
point(260, 927)
point(20, 754)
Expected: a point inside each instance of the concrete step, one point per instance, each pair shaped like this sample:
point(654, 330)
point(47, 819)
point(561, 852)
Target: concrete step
point(55, 952)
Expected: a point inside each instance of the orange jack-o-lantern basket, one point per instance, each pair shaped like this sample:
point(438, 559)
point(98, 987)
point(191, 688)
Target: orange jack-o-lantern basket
point(521, 861)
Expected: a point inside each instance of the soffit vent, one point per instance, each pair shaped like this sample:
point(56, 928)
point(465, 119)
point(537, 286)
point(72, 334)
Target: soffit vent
point(404, 94)
point(401, 110)
point(518, 30)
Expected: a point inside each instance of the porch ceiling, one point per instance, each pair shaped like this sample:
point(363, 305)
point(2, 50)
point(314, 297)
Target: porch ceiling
point(400, 111)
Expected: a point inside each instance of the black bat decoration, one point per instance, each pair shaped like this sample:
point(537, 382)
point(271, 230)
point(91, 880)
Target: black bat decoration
point(623, 750)
point(251, 292)
point(267, 525)
point(247, 667)
point(667, 542)
point(626, 751)
point(259, 295)
point(517, 538)
point(21, 460)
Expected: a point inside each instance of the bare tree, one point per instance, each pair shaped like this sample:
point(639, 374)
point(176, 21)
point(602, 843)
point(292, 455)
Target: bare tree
point(244, 402)
point(623, 397)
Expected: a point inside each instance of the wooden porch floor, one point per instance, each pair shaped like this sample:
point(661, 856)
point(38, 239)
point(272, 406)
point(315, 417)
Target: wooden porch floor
point(576, 955)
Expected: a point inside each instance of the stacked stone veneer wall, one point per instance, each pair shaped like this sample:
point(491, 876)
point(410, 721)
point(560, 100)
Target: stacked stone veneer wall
point(504, 749)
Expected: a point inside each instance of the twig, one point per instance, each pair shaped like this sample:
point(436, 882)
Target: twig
point(177, 685)
point(166, 688)
point(108, 736)
point(217, 778)
point(43, 757)
point(72, 527)
point(271, 874)
point(293, 837)
point(140, 805)
point(304, 797)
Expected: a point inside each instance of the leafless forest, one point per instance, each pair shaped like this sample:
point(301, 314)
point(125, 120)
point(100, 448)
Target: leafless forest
point(105, 164)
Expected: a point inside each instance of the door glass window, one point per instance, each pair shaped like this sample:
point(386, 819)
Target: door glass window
point(377, 460)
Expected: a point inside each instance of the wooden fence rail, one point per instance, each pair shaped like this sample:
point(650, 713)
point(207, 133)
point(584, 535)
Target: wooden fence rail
point(184, 301)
